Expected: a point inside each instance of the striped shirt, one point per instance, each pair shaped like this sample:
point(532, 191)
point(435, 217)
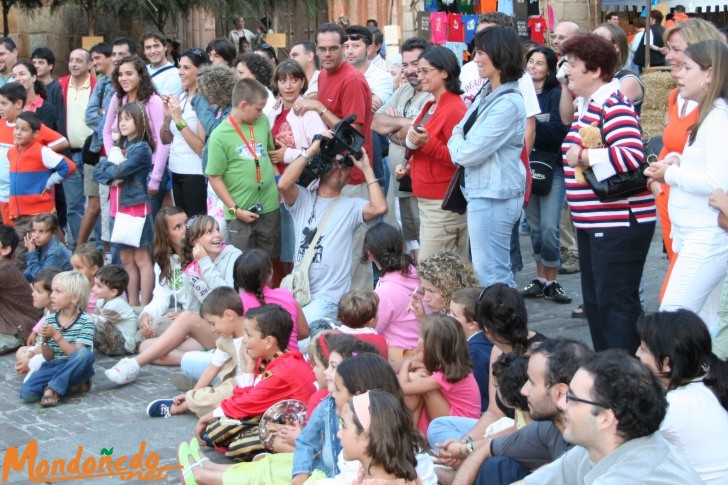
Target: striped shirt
point(81, 331)
point(624, 153)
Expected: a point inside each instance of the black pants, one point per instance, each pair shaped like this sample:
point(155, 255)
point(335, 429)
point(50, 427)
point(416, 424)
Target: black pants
point(190, 193)
point(611, 262)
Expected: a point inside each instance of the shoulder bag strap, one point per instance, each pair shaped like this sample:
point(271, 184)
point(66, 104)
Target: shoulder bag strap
point(161, 71)
point(308, 255)
point(480, 109)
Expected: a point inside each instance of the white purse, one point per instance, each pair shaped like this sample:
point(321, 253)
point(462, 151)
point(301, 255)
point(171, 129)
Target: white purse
point(127, 229)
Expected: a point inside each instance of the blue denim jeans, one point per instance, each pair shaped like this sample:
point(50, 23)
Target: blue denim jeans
point(60, 375)
point(448, 427)
point(501, 470)
point(544, 213)
point(75, 200)
point(490, 225)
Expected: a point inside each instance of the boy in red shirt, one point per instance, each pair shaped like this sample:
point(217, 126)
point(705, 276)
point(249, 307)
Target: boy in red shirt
point(273, 374)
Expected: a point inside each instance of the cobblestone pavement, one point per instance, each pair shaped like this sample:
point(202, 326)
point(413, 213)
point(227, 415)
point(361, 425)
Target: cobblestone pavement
point(114, 417)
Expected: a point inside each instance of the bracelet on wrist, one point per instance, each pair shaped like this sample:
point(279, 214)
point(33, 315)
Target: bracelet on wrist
point(373, 181)
point(324, 111)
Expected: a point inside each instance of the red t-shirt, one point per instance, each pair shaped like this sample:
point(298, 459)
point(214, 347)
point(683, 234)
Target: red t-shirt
point(438, 28)
point(455, 28)
point(537, 26)
point(345, 91)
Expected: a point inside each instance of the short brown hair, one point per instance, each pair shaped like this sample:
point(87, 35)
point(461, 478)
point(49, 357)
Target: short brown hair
point(220, 299)
point(468, 298)
point(114, 277)
point(357, 307)
point(248, 90)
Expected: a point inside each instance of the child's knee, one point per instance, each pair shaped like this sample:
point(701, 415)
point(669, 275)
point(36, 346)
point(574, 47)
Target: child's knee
point(28, 394)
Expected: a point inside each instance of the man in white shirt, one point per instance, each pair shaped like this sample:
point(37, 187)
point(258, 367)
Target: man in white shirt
point(304, 52)
point(358, 43)
point(377, 50)
point(164, 75)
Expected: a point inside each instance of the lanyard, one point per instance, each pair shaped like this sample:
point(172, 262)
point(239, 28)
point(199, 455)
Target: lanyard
point(250, 148)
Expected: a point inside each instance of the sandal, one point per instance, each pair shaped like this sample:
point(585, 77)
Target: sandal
point(183, 454)
point(50, 398)
point(196, 452)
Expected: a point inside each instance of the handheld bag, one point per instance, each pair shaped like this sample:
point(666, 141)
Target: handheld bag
point(542, 171)
point(454, 200)
point(297, 282)
point(127, 229)
point(621, 185)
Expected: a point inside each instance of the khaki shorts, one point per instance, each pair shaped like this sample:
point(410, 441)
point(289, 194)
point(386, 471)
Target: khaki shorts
point(264, 233)
point(90, 186)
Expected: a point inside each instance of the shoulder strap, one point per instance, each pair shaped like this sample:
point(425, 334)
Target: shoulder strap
point(167, 68)
point(479, 110)
point(308, 255)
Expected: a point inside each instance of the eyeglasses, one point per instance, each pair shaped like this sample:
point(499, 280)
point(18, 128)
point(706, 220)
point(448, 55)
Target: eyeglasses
point(324, 50)
point(570, 397)
point(191, 221)
point(560, 37)
point(425, 71)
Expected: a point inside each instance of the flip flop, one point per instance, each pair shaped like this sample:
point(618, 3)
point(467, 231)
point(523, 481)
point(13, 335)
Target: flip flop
point(196, 452)
point(49, 400)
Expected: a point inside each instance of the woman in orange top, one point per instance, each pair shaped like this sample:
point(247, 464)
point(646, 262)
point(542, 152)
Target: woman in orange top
point(680, 117)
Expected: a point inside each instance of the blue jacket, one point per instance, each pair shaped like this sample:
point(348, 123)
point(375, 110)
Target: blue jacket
point(134, 171)
point(491, 151)
point(100, 99)
point(318, 447)
point(55, 255)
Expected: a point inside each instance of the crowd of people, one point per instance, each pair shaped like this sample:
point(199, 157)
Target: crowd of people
point(206, 212)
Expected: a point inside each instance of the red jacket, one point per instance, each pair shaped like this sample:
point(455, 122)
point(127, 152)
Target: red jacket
point(431, 166)
point(288, 376)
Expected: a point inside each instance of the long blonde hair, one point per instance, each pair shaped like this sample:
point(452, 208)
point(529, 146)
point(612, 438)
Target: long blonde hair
point(710, 54)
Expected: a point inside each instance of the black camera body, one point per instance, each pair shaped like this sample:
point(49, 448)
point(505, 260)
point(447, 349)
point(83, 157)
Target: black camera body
point(346, 141)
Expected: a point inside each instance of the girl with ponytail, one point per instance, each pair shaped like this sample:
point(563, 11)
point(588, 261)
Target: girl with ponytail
point(385, 247)
point(252, 276)
point(676, 346)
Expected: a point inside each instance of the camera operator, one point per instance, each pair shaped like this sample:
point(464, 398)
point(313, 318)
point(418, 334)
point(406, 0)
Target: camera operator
point(329, 276)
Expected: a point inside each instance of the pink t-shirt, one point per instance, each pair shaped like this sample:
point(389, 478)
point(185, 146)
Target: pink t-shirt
point(279, 296)
point(91, 308)
point(39, 325)
point(463, 396)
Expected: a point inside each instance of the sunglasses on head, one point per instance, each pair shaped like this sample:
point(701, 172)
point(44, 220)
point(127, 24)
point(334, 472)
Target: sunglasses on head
point(355, 37)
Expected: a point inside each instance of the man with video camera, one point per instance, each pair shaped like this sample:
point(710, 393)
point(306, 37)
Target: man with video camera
point(332, 156)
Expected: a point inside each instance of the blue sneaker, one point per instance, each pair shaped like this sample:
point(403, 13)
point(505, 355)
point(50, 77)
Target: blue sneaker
point(160, 408)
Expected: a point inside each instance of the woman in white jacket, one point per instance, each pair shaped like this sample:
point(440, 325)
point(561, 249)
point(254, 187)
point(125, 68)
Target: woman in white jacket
point(207, 263)
point(292, 134)
point(701, 245)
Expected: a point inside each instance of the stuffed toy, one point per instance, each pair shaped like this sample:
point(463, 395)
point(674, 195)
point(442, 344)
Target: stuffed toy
point(591, 137)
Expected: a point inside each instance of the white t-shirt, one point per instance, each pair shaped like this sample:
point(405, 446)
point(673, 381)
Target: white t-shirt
point(696, 425)
point(471, 82)
point(182, 158)
point(329, 276)
point(380, 82)
point(167, 82)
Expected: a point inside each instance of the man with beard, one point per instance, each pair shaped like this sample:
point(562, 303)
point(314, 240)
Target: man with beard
point(8, 59)
point(551, 367)
point(394, 119)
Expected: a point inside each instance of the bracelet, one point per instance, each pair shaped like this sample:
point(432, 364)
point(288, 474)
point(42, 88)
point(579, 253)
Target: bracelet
point(324, 111)
point(304, 156)
point(373, 181)
point(165, 127)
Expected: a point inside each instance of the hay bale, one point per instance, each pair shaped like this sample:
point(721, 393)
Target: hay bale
point(658, 85)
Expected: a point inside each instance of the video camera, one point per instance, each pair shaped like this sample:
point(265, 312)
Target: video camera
point(346, 141)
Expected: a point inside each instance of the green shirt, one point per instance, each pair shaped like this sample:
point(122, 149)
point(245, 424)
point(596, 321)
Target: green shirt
point(229, 156)
point(81, 331)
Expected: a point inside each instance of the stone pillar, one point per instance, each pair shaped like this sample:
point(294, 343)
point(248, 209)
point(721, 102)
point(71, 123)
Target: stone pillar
point(199, 28)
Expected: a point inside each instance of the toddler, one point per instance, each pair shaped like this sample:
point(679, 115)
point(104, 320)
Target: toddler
point(116, 322)
point(42, 301)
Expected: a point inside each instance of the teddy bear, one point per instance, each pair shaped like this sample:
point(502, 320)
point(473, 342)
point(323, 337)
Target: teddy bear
point(591, 137)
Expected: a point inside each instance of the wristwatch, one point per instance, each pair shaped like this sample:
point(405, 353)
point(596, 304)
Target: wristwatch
point(233, 210)
point(181, 124)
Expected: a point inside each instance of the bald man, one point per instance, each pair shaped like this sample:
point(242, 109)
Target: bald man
point(564, 30)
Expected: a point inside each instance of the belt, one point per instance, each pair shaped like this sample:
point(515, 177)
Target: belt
point(76, 150)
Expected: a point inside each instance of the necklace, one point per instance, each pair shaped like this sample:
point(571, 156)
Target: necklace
point(67, 324)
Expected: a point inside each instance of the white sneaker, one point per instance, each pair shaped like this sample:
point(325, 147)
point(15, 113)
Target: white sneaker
point(124, 372)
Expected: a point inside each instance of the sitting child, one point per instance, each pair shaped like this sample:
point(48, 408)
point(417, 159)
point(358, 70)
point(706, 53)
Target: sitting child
point(68, 339)
point(464, 307)
point(272, 373)
point(16, 314)
point(116, 322)
point(87, 259)
point(358, 317)
point(223, 309)
point(42, 301)
point(44, 248)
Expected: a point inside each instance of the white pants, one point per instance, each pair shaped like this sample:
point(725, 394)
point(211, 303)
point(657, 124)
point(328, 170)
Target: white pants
point(697, 277)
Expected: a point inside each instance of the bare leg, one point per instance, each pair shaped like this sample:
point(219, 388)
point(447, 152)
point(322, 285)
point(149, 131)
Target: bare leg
point(186, 324)
point(436, 404)
point(143, 261)
point(132, 289)
point(415, 404)
point(174, 357)
point(179, 408)
point(89, 219)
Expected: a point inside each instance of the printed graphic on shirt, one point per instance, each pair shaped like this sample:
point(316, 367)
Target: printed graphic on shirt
point(244, 151)
point(308, 234)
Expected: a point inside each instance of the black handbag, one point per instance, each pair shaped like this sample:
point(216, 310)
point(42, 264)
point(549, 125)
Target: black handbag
point(542, 166)
point(621, 185)
point(88, 156)
point(454, 200)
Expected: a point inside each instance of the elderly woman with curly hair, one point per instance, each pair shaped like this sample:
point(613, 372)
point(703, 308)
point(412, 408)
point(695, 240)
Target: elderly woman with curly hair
point(441, 275)
point(212, 105)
